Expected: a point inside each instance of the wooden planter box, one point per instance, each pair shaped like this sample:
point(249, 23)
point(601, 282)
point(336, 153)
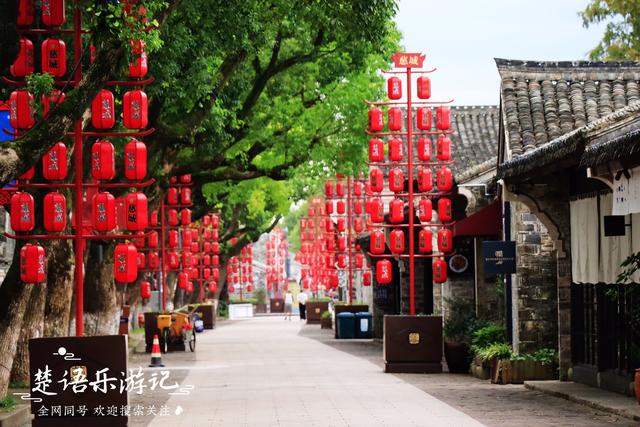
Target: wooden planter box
point(326, 323)
point(315, 310)
point(207, 313)
point(260, 308)
point(340, 308)
point(412, 344)
point(480, 369)
point(276, 305)
point(519, 371)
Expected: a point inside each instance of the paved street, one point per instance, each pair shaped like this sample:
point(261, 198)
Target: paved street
point(271, 372)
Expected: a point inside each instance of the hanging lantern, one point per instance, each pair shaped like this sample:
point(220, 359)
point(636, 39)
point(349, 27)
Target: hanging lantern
point(443, 118)
point(396, 211)
point(377, 242)
point(342, 261)
point(142, 260)
point(395, 149)
point(22, 212)
point(340, 188)
point(173, 260)
point(183, 280)
point(340, 207)
point(152, 239)
point(215, 221)
point(194, 247)
point(341, 225)
point(357, 188)
point(32, 264)
point(185, 196)
point(154, 260)
point(26, 13)
point(328, 206)
point(135, 160)
point(53, 13)
point(394, 88)
point(186, 238)
point(394, 118)
point(103, 114)
point(342, 243)
point(139, 67)
point(439, 271)
point(445, 213)
point(52, 100)
point(213, 287)
point(54, 163)
point(103, 161)
point(329, 261)
point(125, 263)
point(54, 207)
point(194, 234)
point(330, 245)
point(135, 107)
point(21, 110)
point(207, 234)
point(376, 150)
point(206, 247)
point(186, 259)
point(423, 118)
point(424, 87)
point(328, 188)
point(383, 271)
point(173, 238)
point(311, 212)
point(396, 180)
point(232, 289)
point(358, 225)
point(445, 240)
point(425, 180)
point(28, 175)
point(206, 273)
point(172, 217)
point(425, 210)
point(215, 248)
point(54, 57)
point(206, 260)
point(396, 241)
point(139, 240)
point(366, 278)
point(172, 196)
point(137, 216)
point(377, 210)
point(214, 235)
point(153, 218)
point(104, 211)
point(357, 207)
point(424, 149)
point(145, 290)
point(359, 260)
point(185, 216)
point(443, 148)
point(215, 273)
point(444, 179)
point(23, 65)
point(186, 178)
point(376, 123)
point(425, 241)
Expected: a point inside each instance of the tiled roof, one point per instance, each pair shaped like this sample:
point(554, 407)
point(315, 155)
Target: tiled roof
point(542, 101)
point(475, 141)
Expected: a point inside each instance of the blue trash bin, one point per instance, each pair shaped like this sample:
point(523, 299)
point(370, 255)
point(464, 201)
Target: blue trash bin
point(364, 325)
point(346, 325)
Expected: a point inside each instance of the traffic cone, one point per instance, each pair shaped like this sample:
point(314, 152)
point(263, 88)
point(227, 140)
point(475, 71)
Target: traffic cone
point(156, 358)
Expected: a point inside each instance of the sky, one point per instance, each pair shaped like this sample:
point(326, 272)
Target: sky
point(461, 38)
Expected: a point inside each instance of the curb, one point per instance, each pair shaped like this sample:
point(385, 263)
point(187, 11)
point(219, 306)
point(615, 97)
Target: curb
point(582, 401)
point(19, 417)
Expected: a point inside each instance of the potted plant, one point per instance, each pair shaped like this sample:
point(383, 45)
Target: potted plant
point(492, 354)
point(260, 295)
point(326, 320)
point(481, 338)
point(457, 328)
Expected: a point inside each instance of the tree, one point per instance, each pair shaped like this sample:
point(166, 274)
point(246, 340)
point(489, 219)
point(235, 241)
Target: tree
point(621, 40)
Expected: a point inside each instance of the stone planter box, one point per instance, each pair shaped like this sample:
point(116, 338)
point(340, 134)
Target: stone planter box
point(326, 323)
point(315, 310)
point(260, 308)
point(340, 308)
point(519, 371)
point(240, 311)
point(412, 344)
point(276, 305)
point(207, 313)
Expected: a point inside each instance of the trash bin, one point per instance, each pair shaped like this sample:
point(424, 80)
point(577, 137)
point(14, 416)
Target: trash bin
point(198, 324)
point(364, 325)
point(346, 325)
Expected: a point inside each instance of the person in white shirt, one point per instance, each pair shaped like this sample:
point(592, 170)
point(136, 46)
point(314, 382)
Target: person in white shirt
point(288, 305)
point(302, 304)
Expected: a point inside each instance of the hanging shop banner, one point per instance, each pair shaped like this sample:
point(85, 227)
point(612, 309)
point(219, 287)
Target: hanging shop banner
point(499, 257)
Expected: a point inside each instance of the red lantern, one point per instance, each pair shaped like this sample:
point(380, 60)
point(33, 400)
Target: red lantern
point(194, 247)
point(29, 174)
point(135, 107)
point(186, 259)
point(53, 13)
point(340, 188)
point(32, 264)
point(22, 212)
point(376, 178)
point(103, 161)
point(443, 118)
point(26, 13)
point(206, 220)
point(377, 242)
point(103, 115)
point(439, 271)
point(394, 118)
point(383, 271)
point(443, 148)
point(357, 207)
point(366, 278)
point(213, 287)
point(425, 241)
point(377, 210)
point(186, 238)
point(358, 225)
point(139, 67)
point(330, 245)
point(152, 239)
point(138, 240)
point(145, 290)
point(445, 213)
point(135, 160)
point(394, 88)
point(186, 178)
point(376, 150)
point(215, 221)
point(340, 207)
point(425, 180)
point(153, 218)
point(185, 196)
point(137, 216)
point(172, 196)
point(342, 243)
point(425, 210)
point(23, 65)
point(396, 211)
point(357, 188)
point(183, 280)
point(55, 212)
point(173, 238)
point(206, 247)
point(125, 263)
point(206, 260)
point(359, 260)
point(444, 179)
point(445, 240)
point(142, 260)
point(54, 163)
point(424, 87)
point(54, 99)
point(328, 205)
point(154, 260)
point(206, 273)
point(341, 225)
point(396, 180)
point(215, 260)
point(104, 211)
point(194, 234)
point(395, 150)
point(423, 118)
point(215, 248)
point(376, 122)
point(21, 110)
point(173, 260)
point(342, 261)
point(328, 189)
point(185, 216)
point(214, 235)
point(172, 217)
point(54, 57)
point(396, 241)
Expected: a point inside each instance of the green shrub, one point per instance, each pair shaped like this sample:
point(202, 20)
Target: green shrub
point(323, 299)
point(546, 356)
point(494, 351)
point(487, 335)
point(460, 319)
point(326, 314)
point(260, 295)
point(223, 310)
point(243, 301)
point(7, 403)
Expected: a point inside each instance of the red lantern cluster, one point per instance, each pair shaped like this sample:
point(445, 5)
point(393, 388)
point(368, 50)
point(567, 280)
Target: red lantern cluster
point(276, 255)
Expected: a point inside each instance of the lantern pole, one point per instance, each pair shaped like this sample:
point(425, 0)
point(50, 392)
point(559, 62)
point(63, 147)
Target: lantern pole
point(412, 308)
point(163, 270)
point(349, 240)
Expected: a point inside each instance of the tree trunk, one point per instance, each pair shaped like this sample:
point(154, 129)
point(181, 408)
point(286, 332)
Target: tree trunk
point(32, 327)
point(101, 310)
point(60, 275)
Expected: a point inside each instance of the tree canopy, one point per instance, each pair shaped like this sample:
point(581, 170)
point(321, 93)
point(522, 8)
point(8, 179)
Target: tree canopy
point(621, 39)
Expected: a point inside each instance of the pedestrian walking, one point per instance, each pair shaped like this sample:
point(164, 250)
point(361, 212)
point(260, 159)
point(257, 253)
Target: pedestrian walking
point(302, 304)
point(288, 304)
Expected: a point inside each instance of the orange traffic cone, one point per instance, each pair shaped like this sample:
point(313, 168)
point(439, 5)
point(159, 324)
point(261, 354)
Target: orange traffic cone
point(156, 358)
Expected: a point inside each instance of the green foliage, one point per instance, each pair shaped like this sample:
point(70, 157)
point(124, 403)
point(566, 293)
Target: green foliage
point(243, 301)
point(223, 309)
point(621, 40)
point(7, 403)
point(260, 295)
point(494, 351)
point(460, 319)
point(323, 299)
point(18, 384)
point(326, 315)
point(485, 336)
point(39, 85)
point(546, 356)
